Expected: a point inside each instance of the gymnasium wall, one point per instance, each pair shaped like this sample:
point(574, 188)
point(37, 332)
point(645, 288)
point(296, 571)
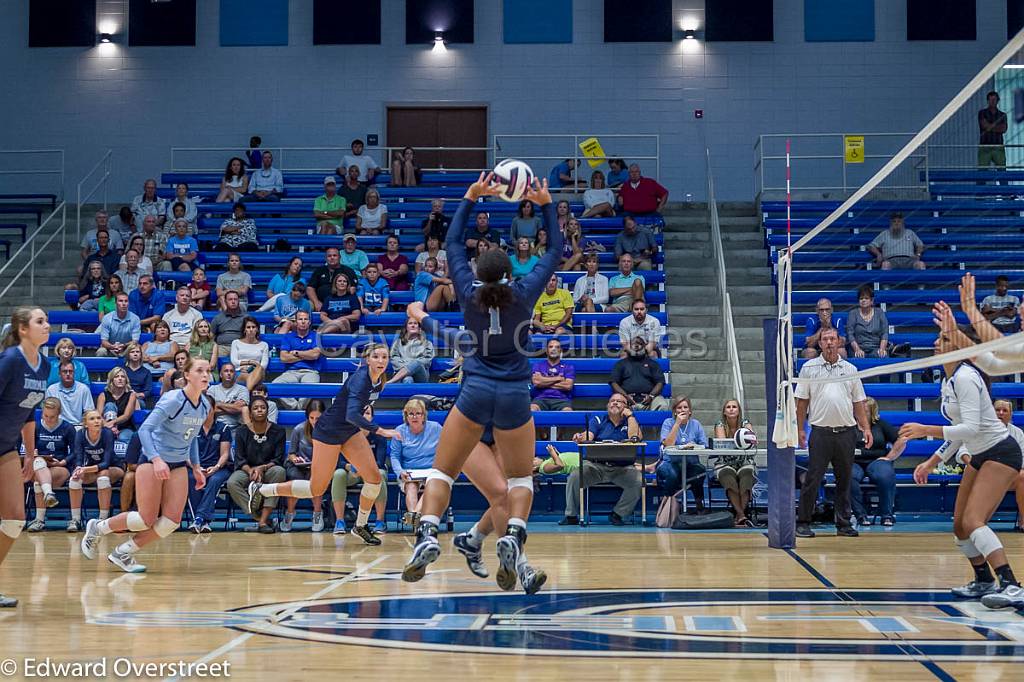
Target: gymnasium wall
point(142, 101)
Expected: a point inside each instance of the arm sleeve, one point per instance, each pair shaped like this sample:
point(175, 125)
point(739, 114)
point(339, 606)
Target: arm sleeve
point(136, 328)
point(293, 448)
point(358, 396)
point(968, 395)
point(996, 366)
point(234, 353)
point(147, 384)
point(666, 427)
point(600, 289)
point(193, 452)
point(857, 394)
point(428, 353)
point(700, 437)
point(76, 452)
point(146, 431)
point(803, 391)
point(449, 335)
point(889, 431)
point(265, 355)
point(395, 452)
point(949, 449)
point(458, 263)
point(534, 282)
point(279, 449)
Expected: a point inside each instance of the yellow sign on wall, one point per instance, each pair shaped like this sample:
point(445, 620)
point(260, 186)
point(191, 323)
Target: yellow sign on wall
point(593, 151)
point(854, 145)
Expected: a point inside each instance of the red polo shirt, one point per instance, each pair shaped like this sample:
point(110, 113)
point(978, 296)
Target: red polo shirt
point(642, 199)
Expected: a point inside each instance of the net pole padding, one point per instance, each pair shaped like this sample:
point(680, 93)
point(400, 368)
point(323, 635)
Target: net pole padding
point(781, 460)
point(988, 71)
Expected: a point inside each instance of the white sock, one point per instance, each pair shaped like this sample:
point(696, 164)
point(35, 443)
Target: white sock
point(103, 527)
point(430, 518)
point(47, 488)
point(268, 490)
point(362, 517)
point(104, 514)
point(520, 523)
point(76, 514)
point(475, 536)
point(128, 547)
point(41, 513)
point(289, 515)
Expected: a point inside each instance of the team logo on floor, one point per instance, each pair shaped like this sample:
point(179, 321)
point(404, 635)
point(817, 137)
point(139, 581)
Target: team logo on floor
point(773, 624)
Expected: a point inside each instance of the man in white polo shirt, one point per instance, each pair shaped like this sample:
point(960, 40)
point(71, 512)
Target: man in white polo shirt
point(182, 318)
point(836, 411)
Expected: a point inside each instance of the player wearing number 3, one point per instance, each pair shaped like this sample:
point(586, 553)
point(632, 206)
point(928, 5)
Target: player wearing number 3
point(169, 444)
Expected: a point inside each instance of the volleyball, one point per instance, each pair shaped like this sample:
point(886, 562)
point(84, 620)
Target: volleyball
point(513, 178)
point(745, 439)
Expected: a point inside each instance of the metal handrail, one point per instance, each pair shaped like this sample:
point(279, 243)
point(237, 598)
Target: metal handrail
point(105, 161)
point(30, 243)
point(574, 151)
point(728, 325)
point(55, 171)
point(280, 156)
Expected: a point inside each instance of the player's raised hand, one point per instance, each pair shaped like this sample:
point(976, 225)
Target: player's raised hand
point(539, 193)
point(483, 187)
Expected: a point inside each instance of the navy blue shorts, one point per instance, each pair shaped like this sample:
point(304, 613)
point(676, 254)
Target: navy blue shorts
point(499, 403)
point(170, 465)
point(1005, 452)
point(336, 435)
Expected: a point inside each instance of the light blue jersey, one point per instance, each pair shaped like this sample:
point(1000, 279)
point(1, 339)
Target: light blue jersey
point(170, 430)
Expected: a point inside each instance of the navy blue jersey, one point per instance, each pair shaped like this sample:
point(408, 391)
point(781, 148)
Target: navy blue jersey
point(209, 443)
point(498, 343)
point(100, 454)
point(134, 450)
point(347, 408)
point(171, 429)
point(56, 443)
point(22, 387)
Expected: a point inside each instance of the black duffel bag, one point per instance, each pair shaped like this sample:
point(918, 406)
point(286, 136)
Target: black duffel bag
point(710, 521)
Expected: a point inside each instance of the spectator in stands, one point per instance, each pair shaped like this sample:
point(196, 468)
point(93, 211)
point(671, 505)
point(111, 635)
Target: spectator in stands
point(351, 256)
point(562, 174)
point(552, 380)
point(300, 354)
point(286, 308)
point(123, 223)
point(235, 183)
point(227, 325)
point(433, 250)
point(867, 327)
point(89, 244)
point(266, 183)
point(254, 155)
point(523, 261)
point(598, 201)
point(201, 343)
point(117, 404)
point(297, 466)
point(434, 225)
point(137, 244)
point(483, 232)
point(282, 283)
point(189, 204)
point(352, 191)
point(323, 277)
point(618, 424)
point(341, 310)
point(820, 322)
point(54, 440)
point(526, 223)
point(147, 302)
point(552, 314)
point(214, 459)
point(368, 168)
point(107, 257)
point(992, 126)
point(159, 353)
point(572, 254)
point(182, 250)
point(404, 171)
point(139, 377)
point(199, 290)
point(617, 173)
point(261, 391)
point(229, 397)
point(876, 463)
point(149, 204)
point(638, 242)
point(329, 208)
point(372, 216)
point(259, 457)
point(154, 242)
point(93, 455)
point(130, 273)
point(393, 265)
point(301, 449)
point(373, 292)
point(182, 318)
point(640, 325)
point(411, 355)
point(591, 291)
point(346, 476)
point(682, 430)
point(249, 354)
point(412, 453)
point(540, 247)
point(640, 196)
point(119, 328)
point(170, 378)
point(107, 302)
point(91, 286)
point(65, 351)
point(434, 291)
point(562, 214)
point(1001, 308)
point(74, 396)
point(625, 287)
point(234, 279)
point(897, 248)
point(639, 379)
point(736, 473)
point(237, 233)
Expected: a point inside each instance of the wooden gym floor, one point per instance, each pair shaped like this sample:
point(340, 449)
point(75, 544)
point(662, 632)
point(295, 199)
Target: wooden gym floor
point(638, 605)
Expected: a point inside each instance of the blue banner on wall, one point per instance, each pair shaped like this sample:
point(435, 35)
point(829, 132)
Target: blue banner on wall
point(538, 21)
point(253, 22)
point(839, 20)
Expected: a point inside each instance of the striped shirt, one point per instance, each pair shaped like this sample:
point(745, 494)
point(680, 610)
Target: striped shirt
point(906, 245)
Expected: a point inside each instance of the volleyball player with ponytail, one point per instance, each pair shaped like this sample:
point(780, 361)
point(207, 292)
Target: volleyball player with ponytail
point(23, 374)
point(495, 387)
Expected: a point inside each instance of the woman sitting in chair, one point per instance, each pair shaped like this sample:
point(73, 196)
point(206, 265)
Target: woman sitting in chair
point(736, 473)
point(413, 455)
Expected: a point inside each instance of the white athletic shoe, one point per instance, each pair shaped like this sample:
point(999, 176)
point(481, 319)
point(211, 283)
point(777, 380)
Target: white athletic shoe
point(50, 500)
point(426, 552)
point(532, 579)
point(1011, 595)
point(254, 489)
point(74, 526)
point(975, 589)
point(126, 562)
point(7, 602)
point(473, 554)
point(36, 526)
point(508, 562)
point(318, 523)
point(90, 539)
point(286, 524)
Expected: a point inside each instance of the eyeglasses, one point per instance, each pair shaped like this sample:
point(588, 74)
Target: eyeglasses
point(824, 310)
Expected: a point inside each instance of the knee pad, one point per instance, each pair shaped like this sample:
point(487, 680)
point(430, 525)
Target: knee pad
point(438, 475)
point(301, 489)
point(136, 523)
point(370, 490)
point(164, 526)
point(74, 485)
point(521, 482)
point(102, 482)
point(38, 463)
point(985, 541)
point(12, 528)
point(36, 488)
point(967, 548)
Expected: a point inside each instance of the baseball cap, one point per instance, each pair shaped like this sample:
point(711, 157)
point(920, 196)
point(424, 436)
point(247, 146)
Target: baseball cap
point(349, 236)
point(329, 180)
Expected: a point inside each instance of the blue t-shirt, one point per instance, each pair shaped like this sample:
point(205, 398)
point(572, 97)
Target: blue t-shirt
point(156, 305)
point(172, 427)
point(813, 324)
point(422, 286)
point(616, 178)
point(620, 281)
point(373, 295)
point(286, 306)
point(340, 306)
point(56, 443)
point(293, 342)
point(693, 432)
point(182, 246)
point(553, 179)
point(22, 387)
point(523, 269)
point(414, 451)
point(279, 284)
point(100, 454)
point(209, 443)
point(604, 429)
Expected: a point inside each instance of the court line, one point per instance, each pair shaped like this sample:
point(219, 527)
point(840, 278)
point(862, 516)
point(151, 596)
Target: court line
point(319, 594)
